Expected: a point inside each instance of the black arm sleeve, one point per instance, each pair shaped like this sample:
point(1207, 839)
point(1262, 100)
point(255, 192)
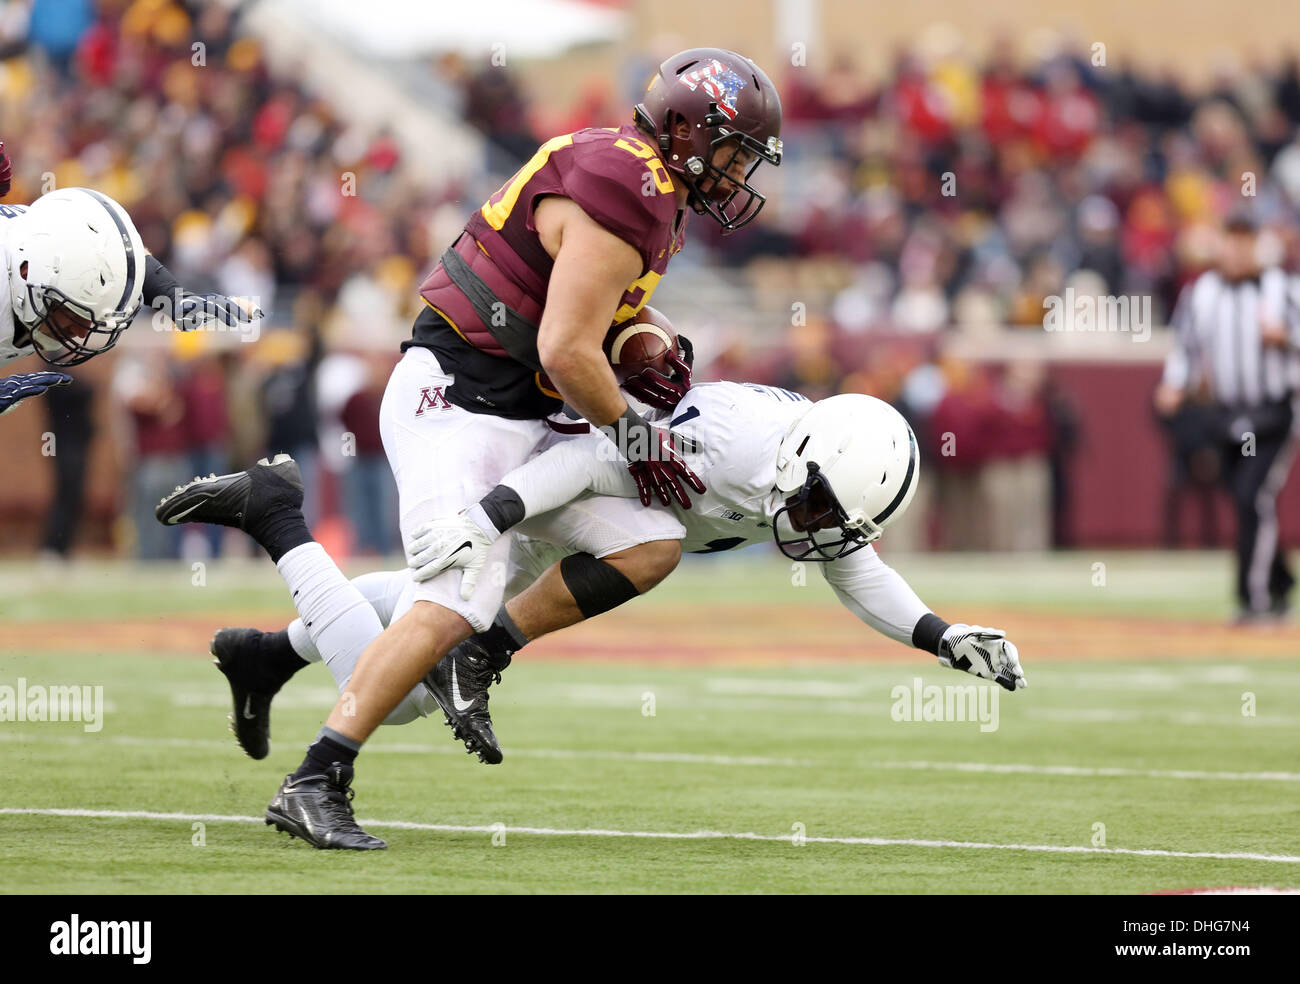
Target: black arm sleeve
point(159, 282)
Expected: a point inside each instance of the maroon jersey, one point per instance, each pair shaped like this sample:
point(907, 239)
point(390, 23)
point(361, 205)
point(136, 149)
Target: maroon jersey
point(619, 181)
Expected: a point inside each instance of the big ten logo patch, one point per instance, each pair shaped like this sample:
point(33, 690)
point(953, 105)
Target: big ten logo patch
point(432, 398)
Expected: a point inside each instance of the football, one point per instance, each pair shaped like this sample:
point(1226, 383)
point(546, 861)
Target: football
point(640, 342)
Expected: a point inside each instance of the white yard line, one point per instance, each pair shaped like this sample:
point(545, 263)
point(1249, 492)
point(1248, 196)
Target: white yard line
point(1087, 771)
point(692, 758)
point(674, 835)
point(447, 748)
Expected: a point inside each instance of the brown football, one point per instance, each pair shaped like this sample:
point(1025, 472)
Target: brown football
point(643, 340)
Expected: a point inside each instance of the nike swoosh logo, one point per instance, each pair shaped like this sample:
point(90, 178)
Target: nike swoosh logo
point(173, 520)
point(461, 705)
point(248, 709)
point(467, 545)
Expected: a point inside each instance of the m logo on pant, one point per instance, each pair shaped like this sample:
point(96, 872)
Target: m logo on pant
point(431, 398)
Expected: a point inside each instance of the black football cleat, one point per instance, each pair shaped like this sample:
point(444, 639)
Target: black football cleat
point(238, 653)
point(319, 810)
point(459, 683)
point(240, 499)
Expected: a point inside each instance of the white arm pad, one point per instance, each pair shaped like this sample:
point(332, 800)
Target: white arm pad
point(876, 594)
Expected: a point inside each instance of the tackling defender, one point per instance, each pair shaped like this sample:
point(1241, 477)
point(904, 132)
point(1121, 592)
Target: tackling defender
point(516, 312)
point(825, 479)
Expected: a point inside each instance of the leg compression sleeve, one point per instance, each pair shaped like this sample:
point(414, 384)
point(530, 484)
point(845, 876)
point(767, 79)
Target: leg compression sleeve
point(596, 586)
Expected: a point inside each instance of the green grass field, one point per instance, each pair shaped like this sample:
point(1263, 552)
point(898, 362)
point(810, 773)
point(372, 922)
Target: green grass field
point(771, 762)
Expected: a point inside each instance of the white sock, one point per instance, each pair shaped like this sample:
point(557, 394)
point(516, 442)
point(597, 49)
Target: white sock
point(380, 588)
point(336, 616)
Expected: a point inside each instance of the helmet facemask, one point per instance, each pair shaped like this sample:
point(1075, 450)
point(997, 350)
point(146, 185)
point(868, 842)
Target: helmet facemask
point(813, 526)
point(67, 333)
point(692, 160)
point(713, 189)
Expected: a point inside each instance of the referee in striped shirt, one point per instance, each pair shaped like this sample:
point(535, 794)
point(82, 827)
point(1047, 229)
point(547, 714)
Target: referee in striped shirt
point(1237, 349)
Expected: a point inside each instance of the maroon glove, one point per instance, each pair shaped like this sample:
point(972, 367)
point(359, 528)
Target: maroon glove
point(655, 389)
point(6, 171)
point(655, 465)
point(663, 473)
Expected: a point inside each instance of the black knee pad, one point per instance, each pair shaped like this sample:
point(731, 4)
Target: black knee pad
point(595, 585)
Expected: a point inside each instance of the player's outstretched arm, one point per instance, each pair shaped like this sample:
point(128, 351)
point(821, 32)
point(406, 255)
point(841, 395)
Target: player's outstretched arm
point(879, 596)
point(190, 312)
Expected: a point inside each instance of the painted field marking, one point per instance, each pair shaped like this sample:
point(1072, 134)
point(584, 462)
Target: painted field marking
point(1100, 715)
point(400, 748)
point(1085, 771)
point(677, 835)
point(693, 758)
point(623, 696)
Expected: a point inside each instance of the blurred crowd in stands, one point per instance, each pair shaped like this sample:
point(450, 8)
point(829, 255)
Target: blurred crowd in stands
point(950, 197)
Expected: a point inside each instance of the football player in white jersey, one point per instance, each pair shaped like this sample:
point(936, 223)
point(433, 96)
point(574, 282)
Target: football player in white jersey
point(73, 275)
point(823, 479)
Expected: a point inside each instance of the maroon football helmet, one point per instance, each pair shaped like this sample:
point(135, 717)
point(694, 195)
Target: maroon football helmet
point(723, 97)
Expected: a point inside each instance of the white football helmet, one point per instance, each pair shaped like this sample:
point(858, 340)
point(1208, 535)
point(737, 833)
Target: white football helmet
point(846, 470)
point(84, 275)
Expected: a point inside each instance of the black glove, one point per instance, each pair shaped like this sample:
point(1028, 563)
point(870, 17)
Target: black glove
point(15, 389)
point(653, 461)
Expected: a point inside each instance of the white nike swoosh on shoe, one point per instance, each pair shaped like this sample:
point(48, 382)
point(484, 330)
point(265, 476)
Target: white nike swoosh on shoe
point(173, 520)
point(248, 709)
point(461, 705)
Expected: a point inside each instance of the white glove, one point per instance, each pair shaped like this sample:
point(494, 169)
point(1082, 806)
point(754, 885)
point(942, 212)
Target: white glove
point(441, 545)
point(983, 652)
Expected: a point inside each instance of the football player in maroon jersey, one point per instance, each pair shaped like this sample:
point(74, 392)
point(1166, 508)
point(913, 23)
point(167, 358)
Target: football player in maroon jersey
point(515, 314)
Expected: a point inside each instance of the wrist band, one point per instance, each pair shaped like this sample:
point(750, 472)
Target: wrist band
point(928, 633)
point(631, 433)
point(500, 509)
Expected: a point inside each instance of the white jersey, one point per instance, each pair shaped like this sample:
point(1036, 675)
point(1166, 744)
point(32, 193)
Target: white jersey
point(576, 494)
point(731, 433)
point(9, 350)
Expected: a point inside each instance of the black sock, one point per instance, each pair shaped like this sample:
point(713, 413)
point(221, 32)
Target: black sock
point(279, 661)
point(280, 531)
point(501, 640)
point(324, 752)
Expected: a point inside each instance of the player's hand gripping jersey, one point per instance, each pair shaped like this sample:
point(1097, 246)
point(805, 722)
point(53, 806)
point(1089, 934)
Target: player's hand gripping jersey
point(485, 297)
